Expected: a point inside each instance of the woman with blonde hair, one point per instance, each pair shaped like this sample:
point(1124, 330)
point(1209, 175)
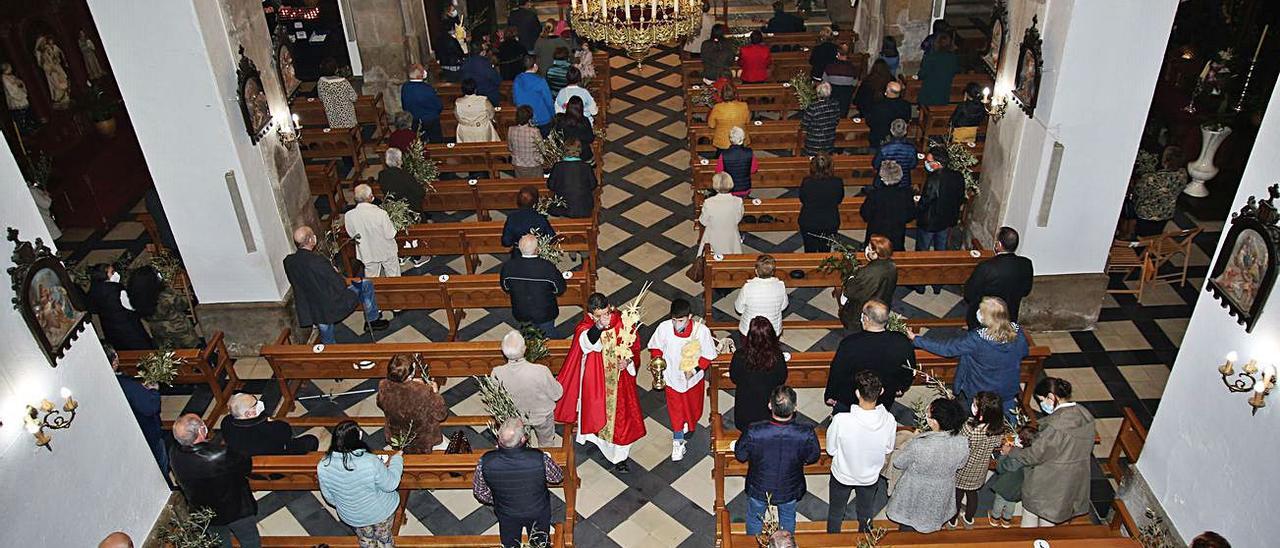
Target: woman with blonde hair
point(990, 356)
point(720, 217)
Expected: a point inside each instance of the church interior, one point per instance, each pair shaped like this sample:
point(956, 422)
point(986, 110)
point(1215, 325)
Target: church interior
point(679, 151)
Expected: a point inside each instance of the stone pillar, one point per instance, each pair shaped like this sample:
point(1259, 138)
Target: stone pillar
point(232, 204)
point(1060, 176)
point(908, 22)
point(392, 36)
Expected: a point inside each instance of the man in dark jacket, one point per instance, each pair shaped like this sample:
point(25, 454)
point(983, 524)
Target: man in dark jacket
point(144, 401)
point(575, 181)
point(889, 208)
point(823, 54)
point(121, 326)
point(420, 99)
point(533, 284)
point(939, 207)
point(783, 21)
point(899, 149)
point(321, 297)
point(513, 478)
point(525, 219)
point(215, 477)
point(874, 349)
point(776, 452)
point(528, 28)
point(511, 54)
point(843, 77)
point(478, 67)
point(249, 432)
point(1006, 275)
point(882, 113)
point(397, 183)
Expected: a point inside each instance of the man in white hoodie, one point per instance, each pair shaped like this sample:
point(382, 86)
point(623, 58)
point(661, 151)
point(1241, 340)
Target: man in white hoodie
point(858, 442)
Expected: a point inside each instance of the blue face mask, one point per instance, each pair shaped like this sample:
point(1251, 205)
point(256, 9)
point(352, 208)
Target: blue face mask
point(928, 166)
point(1046, 406)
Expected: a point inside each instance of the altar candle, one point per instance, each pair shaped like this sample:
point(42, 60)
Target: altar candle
point(628, 8)
point(653, 10)
point(677, 6)
point(1258, 50)
point(604, 11)
point(1205, 73)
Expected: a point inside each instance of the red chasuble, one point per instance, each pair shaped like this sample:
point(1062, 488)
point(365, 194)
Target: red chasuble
point(600, 401)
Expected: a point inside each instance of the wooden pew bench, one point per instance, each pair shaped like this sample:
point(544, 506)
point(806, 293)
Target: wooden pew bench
point(790, 172)
point(769, 98)
point(456, 195)
point(492, 158)
point(911, 91)
point(914, 268)
point(370, 111)
point(783, 66)
point(783, 215)
point(319, 144)
point(1127, 448)
point(324, 181)
point(206, 366)
point(779, 136)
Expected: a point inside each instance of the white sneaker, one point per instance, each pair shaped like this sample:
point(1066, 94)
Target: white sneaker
point(677, 450)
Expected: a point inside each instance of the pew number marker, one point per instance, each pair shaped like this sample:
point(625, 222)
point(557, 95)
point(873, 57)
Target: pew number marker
point(567, 275)
point(786, 84)
point(696, 87)
point(756, 201)
point(975, 253)
point(450, 145)
point(318, 348)
point(444, 278)
point(363, 364)
point(472, 182)
point(857, 120)
point(718, 257)
point(327, 130)
point(497, 109)
point(786, 356)
point(703, 162)
point(758, 123)
point(919, 156)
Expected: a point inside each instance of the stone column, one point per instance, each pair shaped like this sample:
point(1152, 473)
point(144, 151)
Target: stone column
point(392, 36)
point(908, 22)
point(1060, 176)
point(232, 203)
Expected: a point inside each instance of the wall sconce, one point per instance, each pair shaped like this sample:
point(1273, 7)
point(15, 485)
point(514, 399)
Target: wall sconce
point(1245, 381)
point(46, 416)
point(288, 134)
point(996, 106)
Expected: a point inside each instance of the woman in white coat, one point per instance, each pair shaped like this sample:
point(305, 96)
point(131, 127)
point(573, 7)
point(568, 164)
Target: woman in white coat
point(720, 217)
point(475, 116)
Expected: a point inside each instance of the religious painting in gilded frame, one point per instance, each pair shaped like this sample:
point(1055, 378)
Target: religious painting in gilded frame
point(1026, 78)
point(45, 296)
point(253, 98)
point(996, 37)
point(1246, 268)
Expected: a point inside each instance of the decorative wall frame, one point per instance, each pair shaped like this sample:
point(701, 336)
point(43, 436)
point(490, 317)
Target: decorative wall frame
point(253, 98)
point(284, 62)
point(997, 37)
point(45, 297)
point(1026, 78)
point(1245, 271)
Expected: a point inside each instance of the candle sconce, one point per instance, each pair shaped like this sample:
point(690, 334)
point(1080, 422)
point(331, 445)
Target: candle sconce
point(996, 106)
point(46, 416)
point(1251, 378)
point(289, 133)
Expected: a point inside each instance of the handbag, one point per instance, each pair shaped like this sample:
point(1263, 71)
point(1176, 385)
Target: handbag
point(458, 444)
point(697, 269)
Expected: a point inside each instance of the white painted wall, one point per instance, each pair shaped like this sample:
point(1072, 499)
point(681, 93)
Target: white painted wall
point(177, 74)
point(101, 476)
point(1211, 464)
point(1095, 93)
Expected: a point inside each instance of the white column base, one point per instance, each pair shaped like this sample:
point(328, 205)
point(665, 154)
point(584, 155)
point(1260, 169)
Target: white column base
point(1196, 188)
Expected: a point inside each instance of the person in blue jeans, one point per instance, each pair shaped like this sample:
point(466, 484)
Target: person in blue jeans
point(321, 296)
point(938, 208)
point(776, 452)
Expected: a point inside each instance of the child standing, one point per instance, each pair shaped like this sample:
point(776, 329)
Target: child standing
point(1007, 481)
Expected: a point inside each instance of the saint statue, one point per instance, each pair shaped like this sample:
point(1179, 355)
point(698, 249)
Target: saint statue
point(15, 97)
point(90, 53)
point(51, 59)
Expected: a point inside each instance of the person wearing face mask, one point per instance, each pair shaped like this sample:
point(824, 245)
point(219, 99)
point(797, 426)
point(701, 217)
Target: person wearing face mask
point(873, 348)
point(1056, 487)
point(212, 475)
point(924, 497)
point(248, 430)
point(165, 312)
point(107, 298)
point(875, 280)
point(938, 207)
point(686, 345)
point(590, 380)
point(990, 357)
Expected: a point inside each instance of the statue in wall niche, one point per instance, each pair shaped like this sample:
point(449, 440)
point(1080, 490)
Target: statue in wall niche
point(89, 51)
point(15, 97)
point(54, 64)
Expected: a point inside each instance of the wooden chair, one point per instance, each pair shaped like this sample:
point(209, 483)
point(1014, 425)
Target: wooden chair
point(1128, 446)
point(1125, 258)
point(1164, 248)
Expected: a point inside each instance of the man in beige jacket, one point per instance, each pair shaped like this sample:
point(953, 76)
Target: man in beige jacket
point(532, 387)
point(374, 234)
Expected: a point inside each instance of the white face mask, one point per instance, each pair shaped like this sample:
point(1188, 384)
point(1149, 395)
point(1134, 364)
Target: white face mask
point(258, 408)
point(978, 314)
point(681, 324)
point(1046, 405)
point(114, 277)
point(973, 410)
point(928, 166)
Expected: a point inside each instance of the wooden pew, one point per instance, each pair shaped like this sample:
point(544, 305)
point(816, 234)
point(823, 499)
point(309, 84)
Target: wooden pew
point(205, 366)
point(462, 291)
point(785, 64)
point(493, 158)
point(914, 268)
point(333, 144)
point(450, 92)
point(471, 239)
point(294, 364)
point(324, 182)
point(785, 214)
point(779, 136)
point(935, 122)
point(1128, 446)
point(482, 197)
point(370, 111)
point(790, 172)
point(769, 98)
point(912, 88)
point(421, 472)
point(504, 117)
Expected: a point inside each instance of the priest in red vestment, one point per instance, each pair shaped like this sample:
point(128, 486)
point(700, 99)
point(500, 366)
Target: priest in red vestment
point(599, 397)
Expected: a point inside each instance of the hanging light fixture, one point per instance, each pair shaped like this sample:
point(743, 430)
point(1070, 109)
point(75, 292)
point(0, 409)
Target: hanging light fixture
point(636, 26)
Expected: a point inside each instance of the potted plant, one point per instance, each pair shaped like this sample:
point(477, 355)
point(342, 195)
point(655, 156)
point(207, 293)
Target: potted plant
point(101, 110)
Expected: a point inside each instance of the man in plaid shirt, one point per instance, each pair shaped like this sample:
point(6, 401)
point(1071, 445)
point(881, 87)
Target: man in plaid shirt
point(819, 122)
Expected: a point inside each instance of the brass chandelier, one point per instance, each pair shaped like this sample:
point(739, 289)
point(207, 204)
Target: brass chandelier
point(635, 26)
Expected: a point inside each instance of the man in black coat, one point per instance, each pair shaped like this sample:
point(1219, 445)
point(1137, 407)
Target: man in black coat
point(877, 350)
point(1006, 275)
point(783, 21)
point(513, 478)
point(776, 452)
point(882, 113)
point(527, 25)
point(321, 296)
point(939, 207)
point(215, 477)
point(525, 219)
point(397, 183)
point(144, 401)
point(251, 433)
point(511, 53)
point(121, 326)
point(575, 181)
point(533, 284)
point(889, 208)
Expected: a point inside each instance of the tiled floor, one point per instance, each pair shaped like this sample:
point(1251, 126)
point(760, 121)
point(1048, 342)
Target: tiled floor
point(646, 235)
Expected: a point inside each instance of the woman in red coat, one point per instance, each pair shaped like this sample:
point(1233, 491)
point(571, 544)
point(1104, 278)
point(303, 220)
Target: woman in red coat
point(754, 59)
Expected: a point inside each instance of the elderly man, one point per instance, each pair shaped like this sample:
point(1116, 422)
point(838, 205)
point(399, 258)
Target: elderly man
point(776, 452)
point(251, 433)
point(525, 219)
point(819, 122)
point(513, 478)
point(215, 477)
point(420, 99)
point(899, 149)
point(374, 234)
point(887, 209)
point(117, 539)
point(533, 388)
point(874, 349)
point(533, 284)
point(397, 183)
point(321, 296)
point(882, 113)
point(1006, 275)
